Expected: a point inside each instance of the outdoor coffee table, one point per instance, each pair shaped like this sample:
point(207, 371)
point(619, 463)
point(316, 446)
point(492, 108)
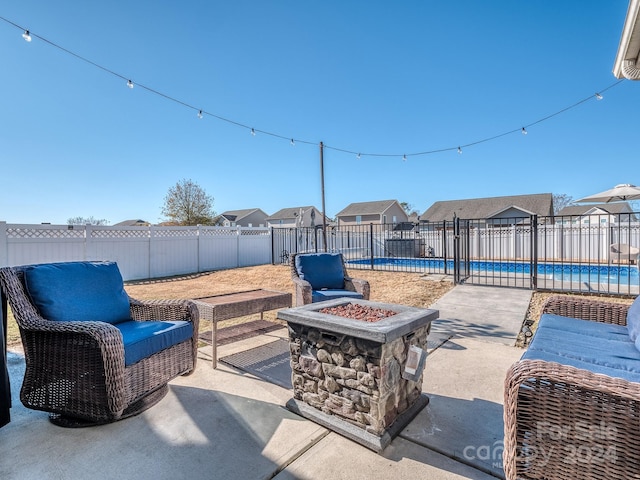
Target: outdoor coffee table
point(231, 305)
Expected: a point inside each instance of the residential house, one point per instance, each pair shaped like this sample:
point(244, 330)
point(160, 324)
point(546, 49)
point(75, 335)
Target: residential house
point(379, 212)
point(291, 217)
point(493, 210)
point(250, 217)
point(597, 214)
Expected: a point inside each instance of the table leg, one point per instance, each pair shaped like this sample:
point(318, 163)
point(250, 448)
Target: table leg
point(214, 340)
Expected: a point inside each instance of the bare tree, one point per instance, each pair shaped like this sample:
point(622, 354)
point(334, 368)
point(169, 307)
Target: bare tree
point(86, 221)
point(186, 203)
point(561, 200)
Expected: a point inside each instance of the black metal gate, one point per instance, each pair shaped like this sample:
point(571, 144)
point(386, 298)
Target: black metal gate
point(492, 260)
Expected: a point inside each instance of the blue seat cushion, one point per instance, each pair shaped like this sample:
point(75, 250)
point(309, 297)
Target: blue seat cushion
point(143, 339)
point(321, 270)
point(322, 295)
point(78, 291)
point(597, 347)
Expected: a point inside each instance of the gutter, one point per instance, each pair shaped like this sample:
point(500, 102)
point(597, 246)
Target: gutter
point(627, 63)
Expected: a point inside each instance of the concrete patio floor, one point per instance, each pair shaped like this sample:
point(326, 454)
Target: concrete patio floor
point(226, 424)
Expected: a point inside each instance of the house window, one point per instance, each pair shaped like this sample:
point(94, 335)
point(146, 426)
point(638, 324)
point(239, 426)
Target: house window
point(358, 219)
point(384, 219)
point(395, 219)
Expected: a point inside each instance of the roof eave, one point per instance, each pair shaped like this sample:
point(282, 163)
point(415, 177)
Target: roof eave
point(627, 63)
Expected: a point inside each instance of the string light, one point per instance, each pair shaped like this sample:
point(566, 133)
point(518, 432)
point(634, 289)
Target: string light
point(598, 95)
point(404, 158)
point(200, 114)
point(253, 132)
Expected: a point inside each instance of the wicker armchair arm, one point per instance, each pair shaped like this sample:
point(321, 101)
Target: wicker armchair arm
point(358, 285)
point(163, 310)
point(586, 309)
point(552, 383)
point(303, 291)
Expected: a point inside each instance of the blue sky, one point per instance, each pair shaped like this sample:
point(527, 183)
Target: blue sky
point(376, 77)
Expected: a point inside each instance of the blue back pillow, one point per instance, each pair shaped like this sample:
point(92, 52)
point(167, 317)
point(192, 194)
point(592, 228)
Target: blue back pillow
point(321, 270)
point(78, 291)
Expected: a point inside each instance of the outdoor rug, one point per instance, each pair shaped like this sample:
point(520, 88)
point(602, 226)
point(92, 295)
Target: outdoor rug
point(241, 331)
point(269, 362)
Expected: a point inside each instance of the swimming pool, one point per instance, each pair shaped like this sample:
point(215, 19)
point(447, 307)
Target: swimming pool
point(568, 272)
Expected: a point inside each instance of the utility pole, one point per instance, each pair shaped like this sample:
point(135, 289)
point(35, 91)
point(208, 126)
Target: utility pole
point(324, 216)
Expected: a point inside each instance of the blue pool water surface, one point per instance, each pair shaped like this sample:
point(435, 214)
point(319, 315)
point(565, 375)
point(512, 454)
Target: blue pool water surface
point(570, 272)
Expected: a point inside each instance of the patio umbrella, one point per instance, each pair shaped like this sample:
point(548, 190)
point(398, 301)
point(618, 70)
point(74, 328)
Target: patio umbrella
point(619, 193)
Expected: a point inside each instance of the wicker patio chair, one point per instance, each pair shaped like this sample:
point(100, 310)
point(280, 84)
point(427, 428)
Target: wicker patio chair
point(323, 276)
point(564, 422)
point(76, 369)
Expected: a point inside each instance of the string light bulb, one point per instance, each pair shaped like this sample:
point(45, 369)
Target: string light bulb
point(292, 142)
point(404, 158)
point(459, 151)
point(200, 114)
point(358, 156)
point(253, 132)
point(129, 84)
point(598, 96)
point(26, 35)
point(524, 131)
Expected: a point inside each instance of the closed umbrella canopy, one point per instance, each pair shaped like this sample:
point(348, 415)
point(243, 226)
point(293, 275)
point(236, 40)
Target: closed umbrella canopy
point(619, 193)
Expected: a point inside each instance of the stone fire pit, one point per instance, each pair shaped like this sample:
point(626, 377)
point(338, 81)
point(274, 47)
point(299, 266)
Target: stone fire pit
point(360, 378)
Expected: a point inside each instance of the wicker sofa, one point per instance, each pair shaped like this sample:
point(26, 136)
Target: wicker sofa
point(323, 276)
point(572, 403)
point(94, 355)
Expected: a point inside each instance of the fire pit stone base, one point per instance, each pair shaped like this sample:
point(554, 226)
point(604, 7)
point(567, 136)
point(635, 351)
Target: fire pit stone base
point(352, 382)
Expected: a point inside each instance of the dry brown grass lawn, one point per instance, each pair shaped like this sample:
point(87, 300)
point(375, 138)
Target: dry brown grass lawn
point(393, 287)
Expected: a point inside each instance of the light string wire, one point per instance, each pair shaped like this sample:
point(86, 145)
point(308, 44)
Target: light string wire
point(294, 140)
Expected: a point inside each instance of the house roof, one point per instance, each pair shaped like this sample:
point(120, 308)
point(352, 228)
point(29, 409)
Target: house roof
point(367, 208)
point(234, 215)
point(132, 223)
point(627, 62)
point(616, 207)
point(290, 212)
point(477, 208)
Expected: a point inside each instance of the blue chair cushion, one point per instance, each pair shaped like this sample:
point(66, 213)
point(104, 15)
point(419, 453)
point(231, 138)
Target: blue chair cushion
point(597, 347)
point(78, 291)
point(633, 319)
point(322, 295)
point(143, 339)
point(321, 270)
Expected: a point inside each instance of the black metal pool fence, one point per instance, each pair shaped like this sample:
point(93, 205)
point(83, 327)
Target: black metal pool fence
point(595, 253)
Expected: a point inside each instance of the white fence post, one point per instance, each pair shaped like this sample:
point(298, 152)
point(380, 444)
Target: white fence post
point(4, 250)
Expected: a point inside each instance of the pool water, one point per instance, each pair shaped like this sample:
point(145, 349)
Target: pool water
point(569, 272)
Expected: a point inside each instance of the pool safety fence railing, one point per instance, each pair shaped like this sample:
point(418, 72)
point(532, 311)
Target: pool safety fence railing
point(591, 253)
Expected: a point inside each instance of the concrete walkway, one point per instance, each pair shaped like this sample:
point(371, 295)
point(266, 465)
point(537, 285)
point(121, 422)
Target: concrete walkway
point(225, 424)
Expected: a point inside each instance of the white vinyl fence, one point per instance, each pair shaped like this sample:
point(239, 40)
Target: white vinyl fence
point(141, 252)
